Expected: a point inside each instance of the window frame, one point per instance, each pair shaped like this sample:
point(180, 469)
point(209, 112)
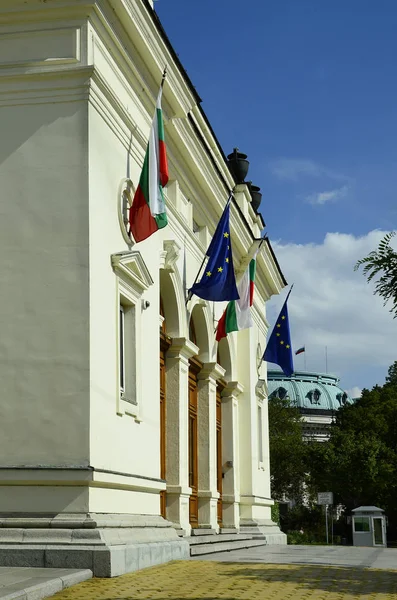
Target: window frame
point(132, 280)
point(121, 338)
point(260, 445)
point(361, 518)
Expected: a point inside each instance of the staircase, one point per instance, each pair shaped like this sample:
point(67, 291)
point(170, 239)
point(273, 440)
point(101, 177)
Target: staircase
point(206, 541)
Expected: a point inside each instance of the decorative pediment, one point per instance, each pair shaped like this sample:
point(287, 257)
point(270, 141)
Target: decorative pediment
point(131, 267)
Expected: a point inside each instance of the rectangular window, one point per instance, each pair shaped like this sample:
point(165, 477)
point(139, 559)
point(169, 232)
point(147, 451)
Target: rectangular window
point(260, 436)
point(127, 350)
point(361, 524)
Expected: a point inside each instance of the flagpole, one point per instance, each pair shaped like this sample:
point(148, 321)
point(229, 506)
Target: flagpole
point(288, 293)
point(326, 360)
point(164, 76)
point(205, 256)
point(304, 358)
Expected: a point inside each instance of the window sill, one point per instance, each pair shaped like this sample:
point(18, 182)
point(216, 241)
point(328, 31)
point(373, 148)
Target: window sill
point(128, 407)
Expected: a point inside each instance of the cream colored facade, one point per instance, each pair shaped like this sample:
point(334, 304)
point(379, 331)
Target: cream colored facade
point(80, 477)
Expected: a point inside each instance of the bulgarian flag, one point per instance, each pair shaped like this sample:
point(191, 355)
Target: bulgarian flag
point(237, 315)
point(147, 213)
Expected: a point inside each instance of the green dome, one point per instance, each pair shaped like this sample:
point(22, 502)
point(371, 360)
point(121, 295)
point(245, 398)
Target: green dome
point(308, 391)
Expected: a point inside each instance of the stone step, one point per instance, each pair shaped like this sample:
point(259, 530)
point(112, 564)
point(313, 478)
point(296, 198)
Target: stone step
point(201, 549)
point(227, 531)
point(200, 532)
point(211, 539)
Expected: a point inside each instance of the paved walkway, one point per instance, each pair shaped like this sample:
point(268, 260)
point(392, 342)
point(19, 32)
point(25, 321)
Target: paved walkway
point(342, 556)
point(266, 573)
point(26, 583)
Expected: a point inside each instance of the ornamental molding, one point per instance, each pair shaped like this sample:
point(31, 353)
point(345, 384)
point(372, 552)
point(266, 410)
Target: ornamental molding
point(131, 267)
point(182, 348)
point(232, 389)
point(125, 197)
point(170, 255)
point(261, 390)
point(211, 370)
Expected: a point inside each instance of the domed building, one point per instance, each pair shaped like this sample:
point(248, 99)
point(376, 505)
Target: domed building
point(316, 395)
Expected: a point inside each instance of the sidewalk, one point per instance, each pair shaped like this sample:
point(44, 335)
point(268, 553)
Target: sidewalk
point(342, 556)
point(28, 583)
point(253, 578)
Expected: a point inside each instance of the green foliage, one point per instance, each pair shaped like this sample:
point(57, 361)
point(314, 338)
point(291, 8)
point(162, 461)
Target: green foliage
point(305, 524)
point(287, 450)
point(382, 263)
point(275, 512)
point(391, 378)
point(359, 462)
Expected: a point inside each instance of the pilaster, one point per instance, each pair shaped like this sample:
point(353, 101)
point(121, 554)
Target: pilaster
point(178, 490)
point(207, 457)
point(230, 455)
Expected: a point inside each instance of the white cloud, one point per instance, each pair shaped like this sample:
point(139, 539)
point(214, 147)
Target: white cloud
point(294, 168)
point(330, 196)
point(332, 306)
point(354, 392)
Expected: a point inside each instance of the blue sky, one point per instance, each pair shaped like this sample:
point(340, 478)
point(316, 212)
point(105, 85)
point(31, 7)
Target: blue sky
point(308, 90)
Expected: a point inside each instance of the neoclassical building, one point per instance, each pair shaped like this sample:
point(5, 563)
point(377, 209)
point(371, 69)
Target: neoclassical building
point(316, 395)
point(125, 427)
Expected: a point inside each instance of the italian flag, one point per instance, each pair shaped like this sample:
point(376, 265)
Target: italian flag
point(147, 213)
point(237, 315)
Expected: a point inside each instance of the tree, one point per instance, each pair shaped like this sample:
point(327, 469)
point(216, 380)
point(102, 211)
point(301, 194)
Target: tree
point(391, 378)
point(359, 462)
point(383, 263)
point(287, 450)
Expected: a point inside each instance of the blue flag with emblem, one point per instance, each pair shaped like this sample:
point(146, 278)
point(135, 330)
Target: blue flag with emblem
point(218, 282)
point(278, 349)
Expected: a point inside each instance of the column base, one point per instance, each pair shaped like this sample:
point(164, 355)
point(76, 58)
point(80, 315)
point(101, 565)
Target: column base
point(266, 528)
point(107, 544)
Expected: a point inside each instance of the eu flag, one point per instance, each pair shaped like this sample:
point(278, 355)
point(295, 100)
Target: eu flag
point(218, 282)
point(278, 349)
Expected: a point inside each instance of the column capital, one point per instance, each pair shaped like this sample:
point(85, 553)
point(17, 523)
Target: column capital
point(233, 388)
point(211, 370)
point(182, 348)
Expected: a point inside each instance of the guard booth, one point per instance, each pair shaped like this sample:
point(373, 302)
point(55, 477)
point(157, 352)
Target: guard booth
point(369, 526)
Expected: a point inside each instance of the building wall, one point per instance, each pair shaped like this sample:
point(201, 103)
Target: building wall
point(44, 364)
point(77, 110)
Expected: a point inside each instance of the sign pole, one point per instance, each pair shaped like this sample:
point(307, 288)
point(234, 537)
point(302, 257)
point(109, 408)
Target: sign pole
point(326, 520)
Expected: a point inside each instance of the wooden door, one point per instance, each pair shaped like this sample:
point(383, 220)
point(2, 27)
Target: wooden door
point(219, 468)
point(164, 345)
point(194, 368)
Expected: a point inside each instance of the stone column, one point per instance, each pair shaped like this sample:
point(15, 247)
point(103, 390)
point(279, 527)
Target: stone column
point(230, 455)
point(208, 494)
point(177, 451)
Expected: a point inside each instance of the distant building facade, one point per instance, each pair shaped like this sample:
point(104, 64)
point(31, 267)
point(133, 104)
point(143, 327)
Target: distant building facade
point(316, 395)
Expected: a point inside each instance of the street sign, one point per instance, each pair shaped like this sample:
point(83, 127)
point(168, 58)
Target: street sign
point(325, 498)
